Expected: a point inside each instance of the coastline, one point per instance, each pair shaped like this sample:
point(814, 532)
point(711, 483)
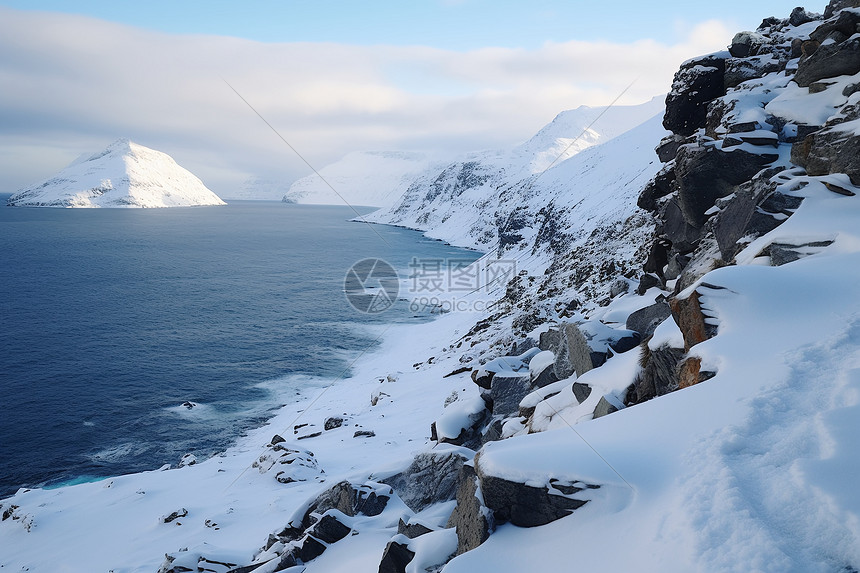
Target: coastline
point(124, 512)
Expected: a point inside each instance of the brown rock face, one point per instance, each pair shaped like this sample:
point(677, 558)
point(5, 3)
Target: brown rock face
point(690, 319)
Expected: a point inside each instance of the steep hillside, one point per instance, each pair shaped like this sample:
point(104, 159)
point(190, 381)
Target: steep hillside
point(123, 175)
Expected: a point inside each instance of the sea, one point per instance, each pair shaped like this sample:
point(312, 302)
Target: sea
point(130, 337)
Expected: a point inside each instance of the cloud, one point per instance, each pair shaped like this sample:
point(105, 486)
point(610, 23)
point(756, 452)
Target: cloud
point(73, 84)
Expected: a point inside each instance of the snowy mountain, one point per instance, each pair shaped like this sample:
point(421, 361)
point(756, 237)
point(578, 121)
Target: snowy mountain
point(470, 202)
point(123, 175)
point(672, 387)
point(369, 178)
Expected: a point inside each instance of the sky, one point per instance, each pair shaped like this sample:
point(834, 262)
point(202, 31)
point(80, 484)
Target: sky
point(442, 76)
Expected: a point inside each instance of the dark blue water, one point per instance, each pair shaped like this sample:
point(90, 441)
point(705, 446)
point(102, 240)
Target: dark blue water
point(110, 319)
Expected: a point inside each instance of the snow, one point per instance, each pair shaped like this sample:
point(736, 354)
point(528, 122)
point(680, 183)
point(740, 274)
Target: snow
point(125, 174)
point(368, 178)
point(754, 469)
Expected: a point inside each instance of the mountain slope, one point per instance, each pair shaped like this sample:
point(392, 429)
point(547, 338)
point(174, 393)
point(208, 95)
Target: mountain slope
point(469, 201)
point(125, 174)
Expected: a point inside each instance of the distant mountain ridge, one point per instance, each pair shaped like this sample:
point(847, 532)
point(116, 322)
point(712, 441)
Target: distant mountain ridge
point(125, 174)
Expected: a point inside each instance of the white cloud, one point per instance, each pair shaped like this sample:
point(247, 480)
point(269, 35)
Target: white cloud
point(73, 84)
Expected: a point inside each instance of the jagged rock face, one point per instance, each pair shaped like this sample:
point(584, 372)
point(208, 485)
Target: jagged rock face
point(472, 520)
point(697, 82)
point(430, 478)
point(706, 174)
point(527, 505)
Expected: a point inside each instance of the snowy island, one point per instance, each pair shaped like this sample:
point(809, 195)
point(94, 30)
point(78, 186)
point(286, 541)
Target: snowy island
point(125, 174)
point(670, 382)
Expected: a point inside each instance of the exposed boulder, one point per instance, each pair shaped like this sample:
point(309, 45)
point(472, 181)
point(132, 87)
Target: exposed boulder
point(832, 150)
point(836, 5)
point(333, 422)
point(526, 505)
point(573, 354)
point(705, 174)
point(396, 557)
point(608, 404)
point(645, 320)
point(412, 530)
point(692, 321)
point(430, 478)
point(800, 16)
point(507, 392)
point(690, 372)
point(472, 520)
point(674, 226)
point(829, 61)
point(288, 464)
point(784, 253)
point(699, 81)
point(746, 44)
point(661, 185)
point(667, 149)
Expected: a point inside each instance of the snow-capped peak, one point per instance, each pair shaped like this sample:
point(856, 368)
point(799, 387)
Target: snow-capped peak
point(124, 174)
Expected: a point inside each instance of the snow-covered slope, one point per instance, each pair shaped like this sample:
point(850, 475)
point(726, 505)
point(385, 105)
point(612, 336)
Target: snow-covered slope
point(369, 178)
point(469, 201)
point(721, 436)
point(123, 175)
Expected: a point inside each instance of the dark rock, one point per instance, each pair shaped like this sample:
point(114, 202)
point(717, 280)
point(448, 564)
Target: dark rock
point(310, 549)
point(458, 371)
point(364, 434)
point(175, 515)
point(493, 432)
point(829, 61)
point(658, 257)
point(329, 529)
point(545, 377)
point(746, 44)
point(472, 523)
point(782, 253)
point(309, 436)
point(276, 439)
point(395, 558)
point(647, 281)
point(646, 320)
point(333, 422)
point(573, 353)
point(604, 408)
point(845, 24)
point(838, 189)
point(836, 5)
point(675, 228)
point(668, 147)
point(659, 374)
point(524, 505)
point(549, 340)
point(482, 378)
point(697, 82)
point(430, 478)
point(741, 217)
point(340, 496)
point(661, 185)
point(581, 391)
point(740, 70)
point(507, 391)
point(523, 346)
point(800, 16)
point(706, 174)
point(832, 151)
point(412, 530)
point(677, 263)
